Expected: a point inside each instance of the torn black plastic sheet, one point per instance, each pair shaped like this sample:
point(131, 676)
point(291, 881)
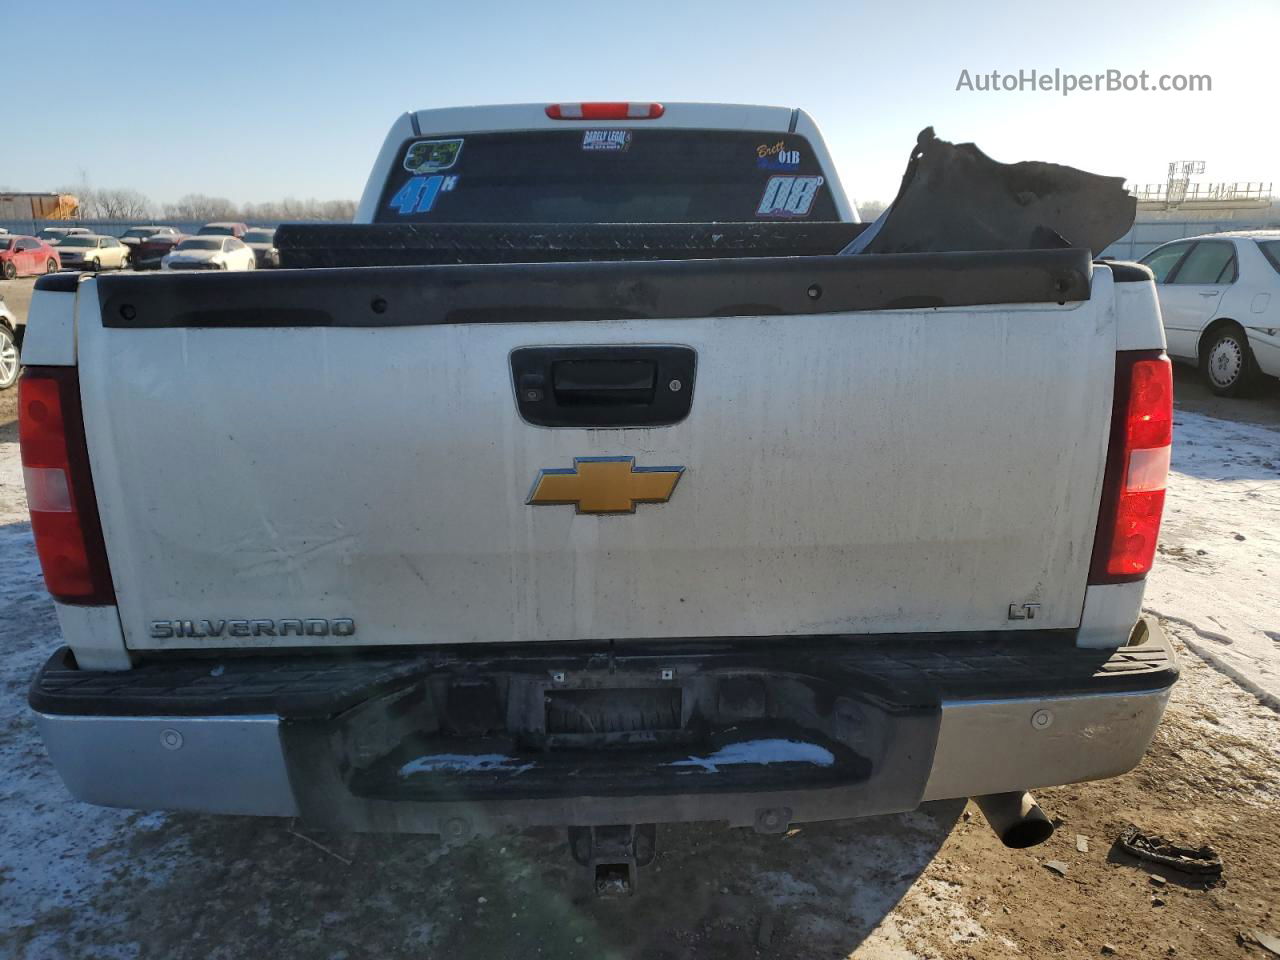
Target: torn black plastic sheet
point(954, 197)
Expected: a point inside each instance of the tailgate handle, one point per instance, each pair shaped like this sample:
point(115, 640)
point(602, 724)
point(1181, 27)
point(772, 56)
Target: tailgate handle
point(603, 386)
point(603, 382)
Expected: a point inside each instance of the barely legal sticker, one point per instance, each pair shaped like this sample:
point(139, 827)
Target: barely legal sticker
point(613, 141)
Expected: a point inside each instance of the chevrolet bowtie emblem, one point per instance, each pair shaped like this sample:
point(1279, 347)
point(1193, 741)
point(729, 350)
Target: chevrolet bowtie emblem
point(605, 485)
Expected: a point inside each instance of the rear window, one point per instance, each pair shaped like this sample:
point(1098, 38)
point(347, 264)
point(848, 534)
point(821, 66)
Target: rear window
point(198, 244)
point(1271, 250)
point(213, 230)
point(1210, 262)
point(602, 175)
point(1164, 259)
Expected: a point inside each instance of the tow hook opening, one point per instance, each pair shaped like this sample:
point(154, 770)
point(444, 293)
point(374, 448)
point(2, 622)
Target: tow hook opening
point(614, 855)
point(1016, 818)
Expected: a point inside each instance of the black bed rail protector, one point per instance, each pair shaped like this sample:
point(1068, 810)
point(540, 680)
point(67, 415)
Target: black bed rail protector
point(559, 292)
point(1125, 271)
point(64, 281)
point(420, 244)
point(920, 669)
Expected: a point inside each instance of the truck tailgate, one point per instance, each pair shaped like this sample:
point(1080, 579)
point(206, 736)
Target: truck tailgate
point(856, 471)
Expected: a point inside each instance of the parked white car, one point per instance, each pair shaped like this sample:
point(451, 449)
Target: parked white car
point(1220, 297)
point(210, 253)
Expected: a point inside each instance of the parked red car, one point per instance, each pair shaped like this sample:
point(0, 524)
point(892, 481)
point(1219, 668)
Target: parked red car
point(23, 256)
point(223, 228)
point(149, 251)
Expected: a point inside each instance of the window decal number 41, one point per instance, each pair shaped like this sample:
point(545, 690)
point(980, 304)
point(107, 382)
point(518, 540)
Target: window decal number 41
point(788, 196)
point(419, 194)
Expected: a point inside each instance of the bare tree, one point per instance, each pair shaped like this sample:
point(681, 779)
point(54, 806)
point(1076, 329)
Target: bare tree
point(291, 208)
point(870, 209)
point(123, 204)
point(199, 206)
point(338, 210)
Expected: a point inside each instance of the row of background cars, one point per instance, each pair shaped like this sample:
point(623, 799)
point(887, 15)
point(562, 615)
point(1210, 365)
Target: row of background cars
point(215, 246)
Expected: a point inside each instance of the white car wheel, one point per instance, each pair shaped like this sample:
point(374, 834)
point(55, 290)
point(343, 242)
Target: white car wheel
point(1227, 363)
point(9, 360)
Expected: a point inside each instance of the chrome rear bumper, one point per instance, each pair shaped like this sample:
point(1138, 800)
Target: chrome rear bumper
point(890, 755)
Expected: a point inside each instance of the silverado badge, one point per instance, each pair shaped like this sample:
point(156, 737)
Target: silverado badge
point(604, 485)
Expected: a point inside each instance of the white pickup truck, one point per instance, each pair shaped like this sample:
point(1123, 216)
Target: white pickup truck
point(640, 513)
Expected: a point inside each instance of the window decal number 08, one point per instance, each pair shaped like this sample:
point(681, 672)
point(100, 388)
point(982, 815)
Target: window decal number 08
point(789, 196)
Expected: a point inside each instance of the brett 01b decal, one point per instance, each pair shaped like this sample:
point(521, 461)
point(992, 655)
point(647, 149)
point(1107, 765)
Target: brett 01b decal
point(432, 156)
point(776, 156)
point(789, 196)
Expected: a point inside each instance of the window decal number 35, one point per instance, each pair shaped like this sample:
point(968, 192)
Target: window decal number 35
point(788, 196)
point(419, 194)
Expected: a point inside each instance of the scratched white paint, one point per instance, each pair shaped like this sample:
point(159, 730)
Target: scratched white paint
point(875, 472)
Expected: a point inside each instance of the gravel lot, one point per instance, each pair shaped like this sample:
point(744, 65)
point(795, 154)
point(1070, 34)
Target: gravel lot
point(80, 881)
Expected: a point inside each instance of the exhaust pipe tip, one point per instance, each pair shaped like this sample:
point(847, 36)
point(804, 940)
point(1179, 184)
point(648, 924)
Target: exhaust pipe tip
point(1027, 834)
point(1016, 819)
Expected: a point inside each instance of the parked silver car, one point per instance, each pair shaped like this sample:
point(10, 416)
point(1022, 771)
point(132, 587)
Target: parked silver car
point(93, 252)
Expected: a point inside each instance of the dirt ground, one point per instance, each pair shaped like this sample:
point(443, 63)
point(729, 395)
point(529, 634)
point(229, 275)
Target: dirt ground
point(1190, 393)
point(17, 295)
point(8, 414)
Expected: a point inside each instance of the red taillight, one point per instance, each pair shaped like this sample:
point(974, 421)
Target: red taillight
point(1137, 468)
point(55, 465)
point(605, 111)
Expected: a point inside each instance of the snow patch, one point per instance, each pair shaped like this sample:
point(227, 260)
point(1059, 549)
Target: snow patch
point(760, 752)
point(464, 763)
point(1218, 569)
point(13, 493)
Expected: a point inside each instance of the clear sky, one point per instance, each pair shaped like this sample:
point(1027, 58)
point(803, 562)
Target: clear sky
point(258, 99)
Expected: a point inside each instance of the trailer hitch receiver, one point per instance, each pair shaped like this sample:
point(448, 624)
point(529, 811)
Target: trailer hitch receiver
point(613, 854)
